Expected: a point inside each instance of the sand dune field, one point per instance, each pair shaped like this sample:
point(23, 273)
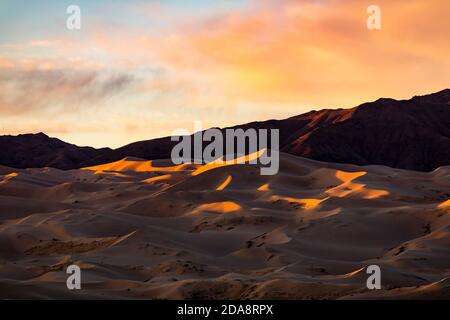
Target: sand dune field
point(149, 230)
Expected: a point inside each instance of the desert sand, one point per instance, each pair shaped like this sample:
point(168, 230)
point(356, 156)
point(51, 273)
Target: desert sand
point(149, 230)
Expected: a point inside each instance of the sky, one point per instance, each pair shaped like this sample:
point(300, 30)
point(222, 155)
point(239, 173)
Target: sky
point(141, 69)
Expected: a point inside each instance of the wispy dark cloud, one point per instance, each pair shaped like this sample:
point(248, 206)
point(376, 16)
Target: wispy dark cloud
point(36, 90)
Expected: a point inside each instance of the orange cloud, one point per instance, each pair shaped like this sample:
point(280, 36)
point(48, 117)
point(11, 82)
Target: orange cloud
point(318, 52)
point(6, 63)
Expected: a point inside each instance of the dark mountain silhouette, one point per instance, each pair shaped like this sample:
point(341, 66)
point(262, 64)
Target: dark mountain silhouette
point(39, 150)
point(408, 134)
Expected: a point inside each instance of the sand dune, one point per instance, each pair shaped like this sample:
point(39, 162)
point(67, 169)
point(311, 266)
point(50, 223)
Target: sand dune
point(148, 229)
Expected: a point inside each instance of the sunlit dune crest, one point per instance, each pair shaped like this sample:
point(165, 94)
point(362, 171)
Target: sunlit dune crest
point(139, 165)
point(121, 239)
point(374, 194)
point(346, 276)
point(12, 174)
point(348, 186)
point(307, 204)
point(110, 173)
point(445, 205)
point(8, 177)
point(220, 207)
point(225, 183)
point(353, 273)
point(127, 164)
point(436, 285)
point(349, 176)
point(218, 163)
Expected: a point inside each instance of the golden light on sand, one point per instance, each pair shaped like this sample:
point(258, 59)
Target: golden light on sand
point(225, 183)
point(220, 207)
point(134, 165)
point(444, 205)
point(349, 187)
point(308, 204)
point(224, 163)
point(158, 178)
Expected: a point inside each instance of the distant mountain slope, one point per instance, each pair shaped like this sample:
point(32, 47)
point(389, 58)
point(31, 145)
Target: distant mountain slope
point(39, 150)
point(408, 134)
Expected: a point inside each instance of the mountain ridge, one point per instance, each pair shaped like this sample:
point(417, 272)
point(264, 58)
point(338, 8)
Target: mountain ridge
point(409, 134)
